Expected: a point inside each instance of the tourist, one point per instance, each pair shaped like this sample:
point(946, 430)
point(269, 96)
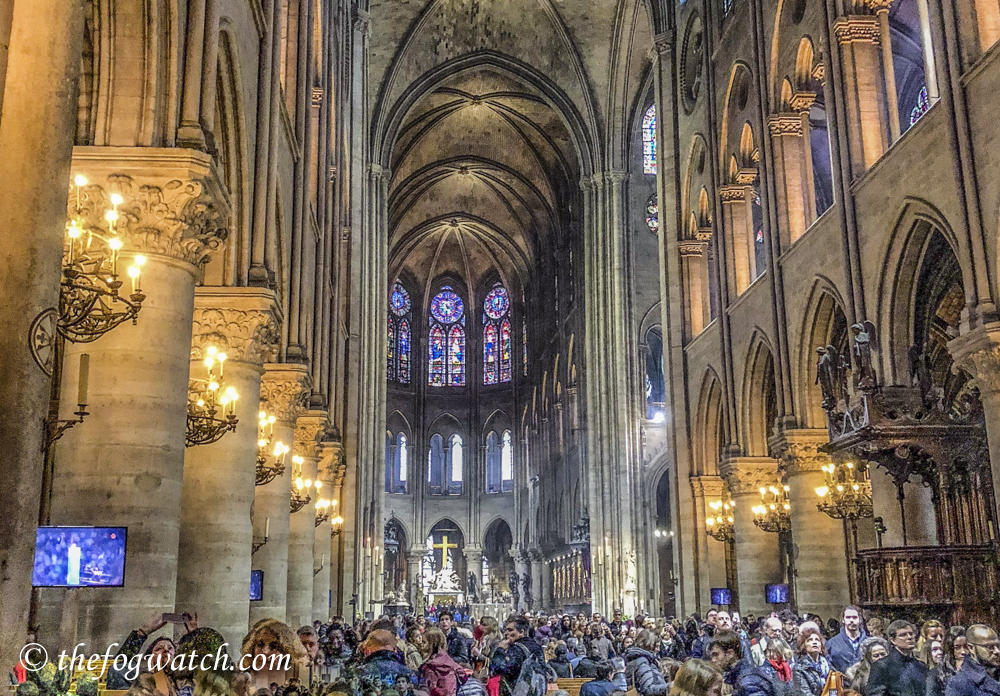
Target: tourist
point(565, 629)
point(601, 685)
point(380, 658)
point(845, 647)
point(617, 623)
point(162, 647)
point(310, 641)
point(789, 626)
point(270, 637)
point(586, 668)
point(415, 648)
point(516, 647)
point(200, 676)
point(642, 671)
point(154, 677)
point(560, 663)
point(811, 665)
point(876, 626)
point(899, 674)
point(601, 639)
point(772, 631)
point(955, 651)
point(697, 678)
point(439, 673)
point(458, 646)
point(930, 630)
point(491, 636)
point(932, 653)
point(726, 653)
point(671, 645)
point(777, 666)
point(873, 649)
point(983, 658)
point(336, 652)
point(705, 634)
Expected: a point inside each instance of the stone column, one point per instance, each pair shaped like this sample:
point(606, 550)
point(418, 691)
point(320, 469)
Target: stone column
point(521, 567)
point(213, 572)
point(694, 268)
point(413, 558)
point(548, 603)
point(864, 89)
point(757, 554)
point(821, 566)
point(337, 534)
point(790, 153)
point(129, 454)
point(474, 564)
point(710, 554)
point(283, 394)
point(537, 591)
point(740, 241)
point(321, 538)
point(881, 9)
point(40, 73)
point(302, 530)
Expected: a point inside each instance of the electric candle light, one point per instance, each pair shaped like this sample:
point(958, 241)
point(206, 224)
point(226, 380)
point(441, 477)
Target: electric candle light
point(84, 385)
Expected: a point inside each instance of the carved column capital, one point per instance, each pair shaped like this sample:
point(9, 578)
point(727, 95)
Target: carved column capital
point(798, 450)
point(284, 390)
point(309, 429)
point(857, 29)
point(242, 322)
point(785, 124)
point(706, 486)
point(978, 353)
point(690, 248)
point(732, 193)
point(802, 101)
point(172, 204)
point(877, 6)
point(747, 475)
point(663, 44)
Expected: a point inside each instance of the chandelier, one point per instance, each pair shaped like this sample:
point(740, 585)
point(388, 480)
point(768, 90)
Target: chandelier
point(721, 526)
point(847, 494)
point(772, 515)
point(211, 405)
point(323, 510)
point(336, 524)
point(265, 438)
point(302, 486)
point(90, 301)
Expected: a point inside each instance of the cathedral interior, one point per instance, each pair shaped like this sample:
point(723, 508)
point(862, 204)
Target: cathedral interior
point(648, 305)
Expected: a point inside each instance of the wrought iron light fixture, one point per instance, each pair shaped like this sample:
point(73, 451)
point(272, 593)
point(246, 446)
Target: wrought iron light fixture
point(265, 473)
point(773, 515)
point(336, 525)
point(847, 494)
point(211, 405)
point(301, 486)
point(721, 526)
point(90, 299)
point(323, 510)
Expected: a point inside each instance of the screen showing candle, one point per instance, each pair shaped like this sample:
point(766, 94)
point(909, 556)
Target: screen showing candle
point(256, 585)
point(79, 557)
point(776, 594)
point(722, 596)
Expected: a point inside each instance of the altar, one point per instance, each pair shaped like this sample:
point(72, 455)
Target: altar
point(445, 587)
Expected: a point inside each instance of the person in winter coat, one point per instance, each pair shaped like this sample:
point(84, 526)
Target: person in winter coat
point(873, 649)
point(738, 671)
point(844, 648)
point(560, 664)
point(513, 650)
point(458, 645)
point(900, 674)
point(956, 649)
point(776, 661)
point(602, 685)
point(976, 678)
point(441, 675)
point(697, 678)
point(587, 667)
point(811, 665)
point(382, 659)
point(671, 645)
point(415, 646)
point(642, 671)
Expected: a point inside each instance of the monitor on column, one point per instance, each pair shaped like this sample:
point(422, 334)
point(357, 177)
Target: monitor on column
point(256, 585)
point(79, 557)
point(722, 596)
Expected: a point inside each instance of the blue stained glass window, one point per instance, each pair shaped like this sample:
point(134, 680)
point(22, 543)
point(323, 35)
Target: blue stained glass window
point(447, 307)
point(497, 303)
point(524, 347)
point(490, 354)
point(392, 350)
point(399, 300)
point(923, 104)
point(403, 372)
point(505, 351)
point(653, 214)
point(649, 141)
point(437, 350)
point(456, 356)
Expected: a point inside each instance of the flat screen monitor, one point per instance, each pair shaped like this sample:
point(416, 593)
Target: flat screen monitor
point(722, 596)
point(79, 557)
point(256, 585)
point(776, 594)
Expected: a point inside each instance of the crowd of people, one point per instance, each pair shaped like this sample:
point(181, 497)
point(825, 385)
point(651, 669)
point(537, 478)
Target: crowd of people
point(721, 654)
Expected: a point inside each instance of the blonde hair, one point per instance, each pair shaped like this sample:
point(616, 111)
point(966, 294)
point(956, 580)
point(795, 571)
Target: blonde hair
point(694, 677)
point(290, 643)
point(435, 641)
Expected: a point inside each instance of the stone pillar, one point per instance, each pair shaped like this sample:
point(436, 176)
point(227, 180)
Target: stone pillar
point(694, 268)
point(978, 353)
point(474, 564)
point(790, 153)
point(548, 602)
point(129, 454)
point(864, 89)
point(339, 469)
point(757, 554)
point(821, 567)
point(710, 554)
point(40, 72)
point(321, 540)
point(537, 591)
point(302, 529)
point(213, 572)
point(413, 559)
point(521, 567)
point(284, 391)
point(738, 224)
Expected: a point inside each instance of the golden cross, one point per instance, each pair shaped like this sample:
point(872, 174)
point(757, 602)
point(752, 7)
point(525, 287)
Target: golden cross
point(444, 546)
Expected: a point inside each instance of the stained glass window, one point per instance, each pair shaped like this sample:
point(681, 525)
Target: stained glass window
point(524, 347)
point(923, 104)
point(391, 356)
point(505, 351)
point(490, 354)
point(653, 214)
point(402, 459)
point(399, 300)
point(403, 371)
point(447, 340)
point(437, 349)
point(649, 141)
point(456, 460)
point(456, 356)
point(496, 303)
point(507, 462)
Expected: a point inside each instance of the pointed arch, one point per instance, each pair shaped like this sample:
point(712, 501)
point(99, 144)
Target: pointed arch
point(710, 426)
point(760, 397)
point(825, 324)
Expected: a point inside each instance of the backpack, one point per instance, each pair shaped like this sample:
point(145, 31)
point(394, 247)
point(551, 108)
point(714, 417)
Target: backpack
point(534, 677)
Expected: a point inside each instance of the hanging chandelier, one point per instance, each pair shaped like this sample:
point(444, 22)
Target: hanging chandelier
point(847, 494)
point(90, 298)
point(301, 486)
point(721, 526)
point(265, 473)
point(773, 514)
point(211, 405)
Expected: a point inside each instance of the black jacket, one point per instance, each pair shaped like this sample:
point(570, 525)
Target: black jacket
point(458, 646)
point(585, 669)
point(508, 662)
point(643, 673)
point(897, 675)
point(747, 680)
point(562, 667)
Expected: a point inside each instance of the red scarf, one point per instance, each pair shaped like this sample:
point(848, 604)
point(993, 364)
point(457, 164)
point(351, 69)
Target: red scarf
point(783, 669)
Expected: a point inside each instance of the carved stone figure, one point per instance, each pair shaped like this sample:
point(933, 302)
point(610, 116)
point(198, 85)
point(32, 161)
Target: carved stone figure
point(865, 342)
point(515, 593)
point(920, 374)
point(526, 584)
point(473, 588)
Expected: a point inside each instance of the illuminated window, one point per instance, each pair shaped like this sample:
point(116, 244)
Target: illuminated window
point(649, 141)
point(652, 214)
point(446, 349)
point(496, 336)
point(398, 349)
